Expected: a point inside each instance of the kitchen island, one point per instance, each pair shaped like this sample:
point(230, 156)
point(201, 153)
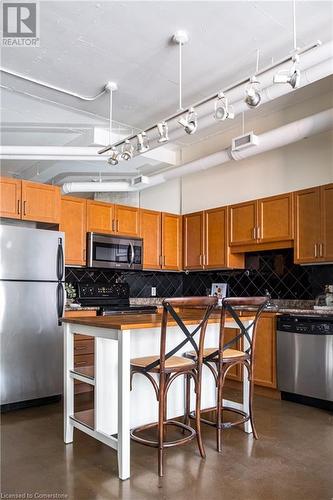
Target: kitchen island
point(117, 409)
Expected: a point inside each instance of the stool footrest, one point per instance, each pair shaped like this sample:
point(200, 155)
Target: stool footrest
point(166, 444)
point(224, 425)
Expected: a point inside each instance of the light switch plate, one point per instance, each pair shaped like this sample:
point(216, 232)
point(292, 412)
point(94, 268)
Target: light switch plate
point(153, 291)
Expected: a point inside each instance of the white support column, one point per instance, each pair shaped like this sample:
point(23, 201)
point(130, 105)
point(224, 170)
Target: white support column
point(68, 383)
point(124, 404)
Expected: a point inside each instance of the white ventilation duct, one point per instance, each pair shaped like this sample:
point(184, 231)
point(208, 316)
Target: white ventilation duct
point(282, 136)
point(96, 187)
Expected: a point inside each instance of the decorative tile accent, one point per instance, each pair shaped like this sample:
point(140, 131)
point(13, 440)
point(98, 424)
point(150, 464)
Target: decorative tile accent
point(274, 271)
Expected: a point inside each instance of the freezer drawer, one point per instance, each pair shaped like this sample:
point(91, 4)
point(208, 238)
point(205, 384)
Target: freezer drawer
point(31, 254)
point(305, 364)
point(31, 341)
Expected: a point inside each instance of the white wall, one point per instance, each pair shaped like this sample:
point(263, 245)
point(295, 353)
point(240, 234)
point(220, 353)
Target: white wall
point(303, 164)
point(165, 197)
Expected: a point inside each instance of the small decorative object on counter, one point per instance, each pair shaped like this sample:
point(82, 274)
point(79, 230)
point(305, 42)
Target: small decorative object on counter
point(70, 293)
point(325, 300)
point(219, 290)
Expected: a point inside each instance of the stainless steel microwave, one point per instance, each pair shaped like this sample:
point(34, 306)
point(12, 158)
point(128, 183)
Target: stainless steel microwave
point(114, 252)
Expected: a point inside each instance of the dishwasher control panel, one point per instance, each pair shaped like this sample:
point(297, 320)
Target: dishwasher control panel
point(311, 325)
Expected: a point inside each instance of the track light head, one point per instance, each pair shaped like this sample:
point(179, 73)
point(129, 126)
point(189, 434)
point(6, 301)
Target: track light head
point(126, 151)
point(222, 109)
point(114, 158)
point(142, 142)
point(293, 76)
point(253, 96)
point(162, 128)
point(190, 123)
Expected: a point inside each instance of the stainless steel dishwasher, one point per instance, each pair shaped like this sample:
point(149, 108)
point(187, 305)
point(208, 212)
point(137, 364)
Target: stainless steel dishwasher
point(305, 359)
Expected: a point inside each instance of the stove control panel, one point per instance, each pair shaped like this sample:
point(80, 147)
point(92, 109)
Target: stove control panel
point(102, 291)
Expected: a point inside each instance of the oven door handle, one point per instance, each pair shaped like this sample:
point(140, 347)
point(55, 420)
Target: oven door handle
point(131, 247)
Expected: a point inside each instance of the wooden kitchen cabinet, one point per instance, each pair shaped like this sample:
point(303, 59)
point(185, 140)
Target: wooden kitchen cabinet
point(171, 258)
point(73, 224)
point(265, 352)
point(40, 202)
point(127, 220)
point(193, 238)
point(308, 225)
point(100, 217)
point(150, 231)
point(264, 224)
point(326, 250)
point(275, 219)
point(205, 237)
point(10, 198)
point(242, 223)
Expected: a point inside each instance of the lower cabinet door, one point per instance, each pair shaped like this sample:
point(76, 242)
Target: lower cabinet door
point(265, 352)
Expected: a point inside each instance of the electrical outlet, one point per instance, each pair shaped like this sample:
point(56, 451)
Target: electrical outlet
point(153, 291)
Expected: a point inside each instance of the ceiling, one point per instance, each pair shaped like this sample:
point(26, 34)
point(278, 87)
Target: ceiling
point(85, 44)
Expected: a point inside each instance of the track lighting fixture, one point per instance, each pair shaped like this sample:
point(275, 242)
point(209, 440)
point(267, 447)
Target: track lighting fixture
point(162, 128)
point(253, 97)
point(190, 123)
point(114, 158)
point(126, 151)
point(293, 76)
point(142, 142)
point(222, 108)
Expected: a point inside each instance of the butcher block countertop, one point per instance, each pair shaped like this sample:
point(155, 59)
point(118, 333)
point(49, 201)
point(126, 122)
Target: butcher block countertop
point(139, 321)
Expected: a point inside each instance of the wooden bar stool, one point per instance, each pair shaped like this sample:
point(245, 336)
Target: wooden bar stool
point(221, 359)
point(168, 367)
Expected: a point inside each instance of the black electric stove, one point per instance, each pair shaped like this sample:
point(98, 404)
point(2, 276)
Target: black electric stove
point(111, 299)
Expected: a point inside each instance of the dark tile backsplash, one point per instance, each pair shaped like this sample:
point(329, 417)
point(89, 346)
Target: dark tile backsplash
point(274, 271)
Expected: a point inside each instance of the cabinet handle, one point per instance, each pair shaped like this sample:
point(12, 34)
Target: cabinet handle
point(204, 259)
point(315, 250)
point(24, 208)
point(164, 260)
point(18, 207)
point(200, 260)
point(321, 248)
point(112, 224)
point(254, 232)
point(84, 254)
point(258, 233)
point(117, 225)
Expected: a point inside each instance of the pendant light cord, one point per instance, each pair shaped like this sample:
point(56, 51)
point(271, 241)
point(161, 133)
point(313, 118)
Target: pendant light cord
point(180, 78)
point(294, 26)
point(110, 117)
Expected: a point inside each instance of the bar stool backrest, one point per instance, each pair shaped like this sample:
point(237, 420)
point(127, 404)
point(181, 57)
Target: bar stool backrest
point(230, 307)
point(204, 305)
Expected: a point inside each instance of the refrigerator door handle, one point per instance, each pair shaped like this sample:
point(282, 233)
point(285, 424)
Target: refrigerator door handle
point(60, 302)
point(60, 260)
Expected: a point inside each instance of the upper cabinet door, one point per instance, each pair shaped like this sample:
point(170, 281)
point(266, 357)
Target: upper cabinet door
point(215, 255)
point(127, 220)
point(100, 217)
point(275, 222)
point(171, 242)
point(326, 243)
point(10, 198)
point(73, 224)
point(193, 236)
point(150, 231)
point(242, 223)
point(40, 202)
point(307, 225)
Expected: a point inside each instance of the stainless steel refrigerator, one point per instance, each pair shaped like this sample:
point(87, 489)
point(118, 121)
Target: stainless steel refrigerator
point(31, 303)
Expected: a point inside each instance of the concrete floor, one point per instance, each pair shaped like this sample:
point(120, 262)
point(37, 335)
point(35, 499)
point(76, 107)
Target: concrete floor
point(293, 459)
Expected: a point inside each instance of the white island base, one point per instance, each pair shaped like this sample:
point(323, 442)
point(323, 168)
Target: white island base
point(116, 408)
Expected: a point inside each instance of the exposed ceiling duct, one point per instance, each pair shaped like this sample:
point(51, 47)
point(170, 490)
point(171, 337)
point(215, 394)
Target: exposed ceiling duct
point(276, 138)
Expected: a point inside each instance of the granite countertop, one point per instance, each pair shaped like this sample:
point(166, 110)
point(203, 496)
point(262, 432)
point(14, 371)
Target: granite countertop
point(81, 308)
